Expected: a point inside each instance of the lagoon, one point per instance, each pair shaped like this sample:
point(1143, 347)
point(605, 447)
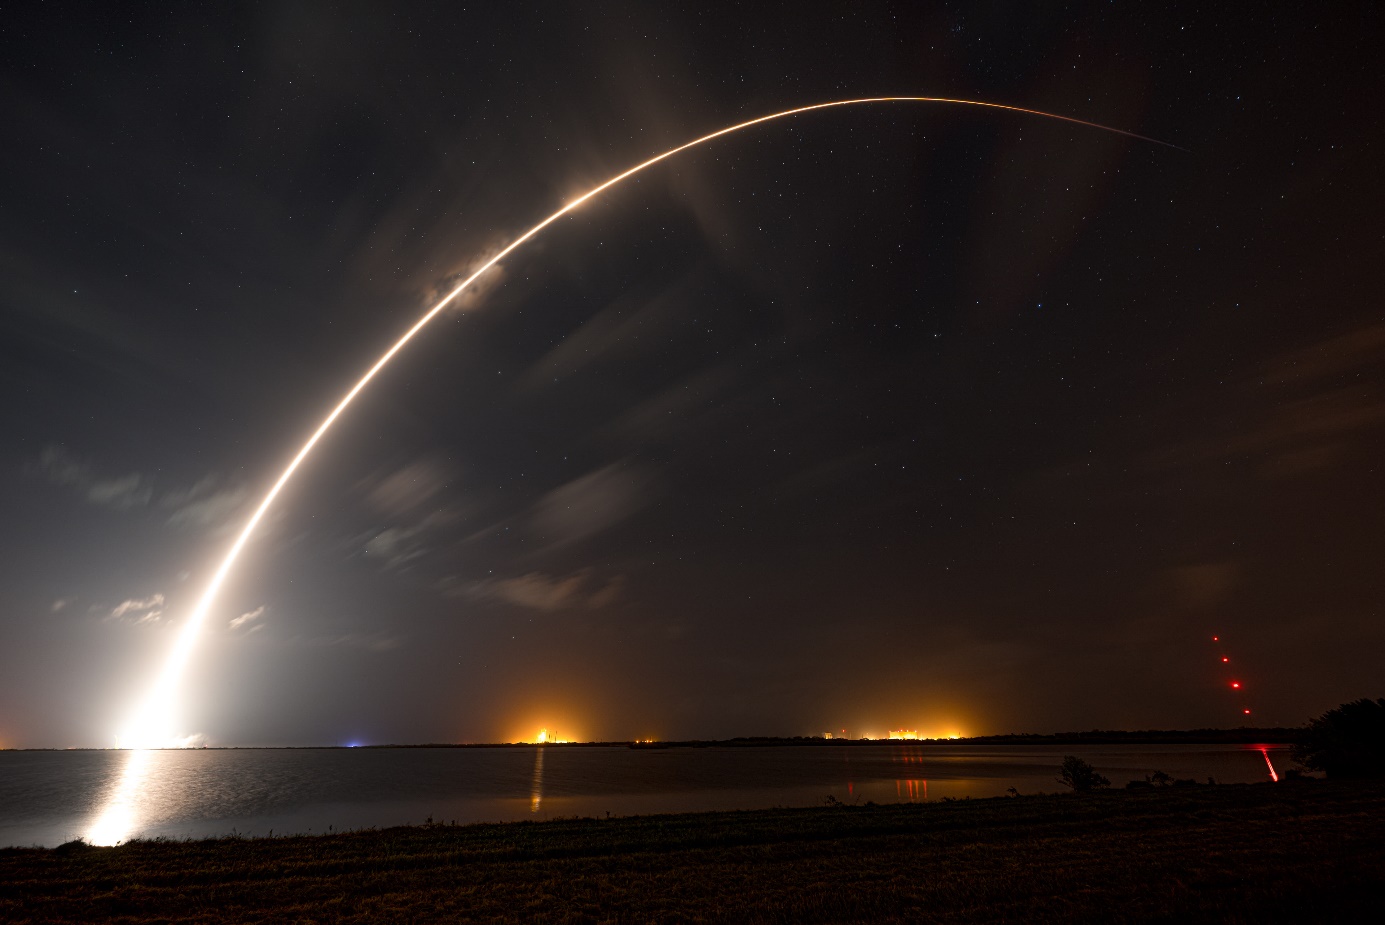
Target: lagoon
point(50, 797)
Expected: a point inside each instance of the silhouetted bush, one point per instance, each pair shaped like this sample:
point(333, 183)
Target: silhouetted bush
point(78, 845)
point(1080, 776)
point(1346, 742)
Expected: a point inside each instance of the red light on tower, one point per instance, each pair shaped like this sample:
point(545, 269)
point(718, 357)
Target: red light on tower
point(1236, 685)
point(1216, 639)
point(1246, 712)
point(1225, 659)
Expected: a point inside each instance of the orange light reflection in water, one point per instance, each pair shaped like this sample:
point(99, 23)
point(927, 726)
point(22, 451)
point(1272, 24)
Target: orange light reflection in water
point(536, 786)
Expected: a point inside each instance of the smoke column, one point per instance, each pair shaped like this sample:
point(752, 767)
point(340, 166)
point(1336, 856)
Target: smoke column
point(152, 724)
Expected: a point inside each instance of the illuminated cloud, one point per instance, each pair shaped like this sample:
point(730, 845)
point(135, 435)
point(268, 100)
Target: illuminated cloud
point(1313, 421)
point(588, 505)
point(397, 546)
point(119, 493)
point(59, 604)
point(408, 487)
point(204, 507)
point(538, 591)
point(548, 593)
point(138, 611)
point(196, 740)
point(245, 618)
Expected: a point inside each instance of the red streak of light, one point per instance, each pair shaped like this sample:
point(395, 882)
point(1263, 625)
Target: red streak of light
point(1269, 764)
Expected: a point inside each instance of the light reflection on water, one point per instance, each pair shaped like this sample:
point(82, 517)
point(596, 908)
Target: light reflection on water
point(536, 788)
point(50, 797)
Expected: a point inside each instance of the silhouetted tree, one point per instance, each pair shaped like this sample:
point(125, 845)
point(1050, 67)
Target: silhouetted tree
point(1346, 742)
point(1080, 776)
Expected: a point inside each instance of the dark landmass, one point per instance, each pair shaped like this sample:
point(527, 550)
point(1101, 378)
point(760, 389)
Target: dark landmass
point(1304, 851)
point(1243, 735)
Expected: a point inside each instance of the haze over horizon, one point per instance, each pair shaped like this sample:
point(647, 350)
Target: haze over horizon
point(910, 417)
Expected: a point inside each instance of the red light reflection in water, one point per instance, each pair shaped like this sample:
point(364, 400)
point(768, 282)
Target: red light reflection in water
point(915, 790)
point(1274, 776)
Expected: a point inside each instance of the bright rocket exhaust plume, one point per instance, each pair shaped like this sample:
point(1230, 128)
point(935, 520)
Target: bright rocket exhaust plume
point(152, 725)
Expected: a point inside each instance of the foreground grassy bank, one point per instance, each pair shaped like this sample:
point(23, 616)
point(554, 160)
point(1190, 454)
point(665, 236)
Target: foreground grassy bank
point(1309, 851)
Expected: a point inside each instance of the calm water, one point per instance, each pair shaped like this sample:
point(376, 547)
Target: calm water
point(47, 798)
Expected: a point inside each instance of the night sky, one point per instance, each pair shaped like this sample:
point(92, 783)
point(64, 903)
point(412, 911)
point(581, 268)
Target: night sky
point(909, 415)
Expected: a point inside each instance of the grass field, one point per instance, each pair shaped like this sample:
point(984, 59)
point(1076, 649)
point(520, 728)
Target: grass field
point(1300, 851)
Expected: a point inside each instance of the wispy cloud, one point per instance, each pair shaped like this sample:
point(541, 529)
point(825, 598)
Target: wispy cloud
point(205, 506)
point(589, 504)
point(59, 604)
point(245, 618)
point(138, 611)
point(407, 487)
point(395, 547)
point(119, 493)
point(1294, 414)
point(548, 593)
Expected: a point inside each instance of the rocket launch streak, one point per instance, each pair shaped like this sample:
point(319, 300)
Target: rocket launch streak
point(152, 724)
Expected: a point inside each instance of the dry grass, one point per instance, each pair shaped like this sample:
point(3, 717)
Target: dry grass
point(1301, 852)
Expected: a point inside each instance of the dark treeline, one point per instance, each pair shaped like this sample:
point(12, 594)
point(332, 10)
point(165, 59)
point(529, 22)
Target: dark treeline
point(1242, 735)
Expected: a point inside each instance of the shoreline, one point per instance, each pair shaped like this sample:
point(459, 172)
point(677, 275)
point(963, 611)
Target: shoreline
point(1309, 849)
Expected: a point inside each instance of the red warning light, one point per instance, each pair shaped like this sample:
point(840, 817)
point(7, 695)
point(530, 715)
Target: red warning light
point(1236, 684)
point(1246, 712)
point(1216, 639)
point(1225, 659)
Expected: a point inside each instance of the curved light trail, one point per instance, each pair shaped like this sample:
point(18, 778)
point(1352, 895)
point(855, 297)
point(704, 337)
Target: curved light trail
point(152, 723)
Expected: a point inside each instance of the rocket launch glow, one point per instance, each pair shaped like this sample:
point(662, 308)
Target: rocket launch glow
point(152, 724)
